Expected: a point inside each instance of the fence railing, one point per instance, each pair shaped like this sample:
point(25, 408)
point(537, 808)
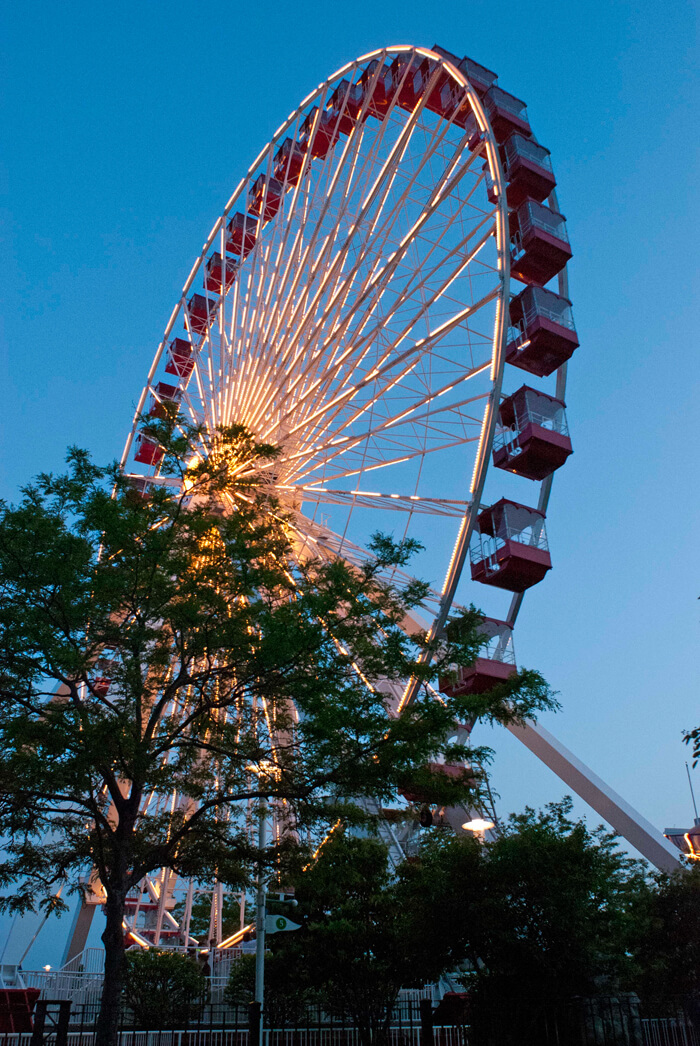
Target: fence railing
point(583, 1022)
point(668, 1031)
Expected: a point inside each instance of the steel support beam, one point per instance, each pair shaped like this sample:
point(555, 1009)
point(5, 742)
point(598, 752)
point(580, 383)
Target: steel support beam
point(625, 820)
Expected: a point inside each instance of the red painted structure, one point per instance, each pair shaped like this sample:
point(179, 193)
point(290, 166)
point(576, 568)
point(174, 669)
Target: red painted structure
point(16, 1007)
point(539, 243)
point(528, 171)
point(533, 438)
point(289, 161)
point(267, 193)
point(377, 86)
point(510, 549)
point(543, 335)
point(148, 452)
point(407, 79)
point(201, 313)
point(165, 395)
point(480, 78)
point(495, 664)
point(345, 105)
point(241, 233)
point(220, 273)
point(180, 359)
point(506, 113)
point(326, 135)
point(414, 792)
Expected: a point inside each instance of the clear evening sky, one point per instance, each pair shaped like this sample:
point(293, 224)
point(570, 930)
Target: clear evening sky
point(125, 129)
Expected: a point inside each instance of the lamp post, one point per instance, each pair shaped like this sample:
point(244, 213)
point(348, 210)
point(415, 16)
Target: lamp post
point(260, 924)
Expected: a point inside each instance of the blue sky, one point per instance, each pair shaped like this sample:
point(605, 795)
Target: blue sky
point(125, 129)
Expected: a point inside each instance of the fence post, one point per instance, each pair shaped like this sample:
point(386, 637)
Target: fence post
point(254, 1024)
point(57, 1023)
point(427, 1037)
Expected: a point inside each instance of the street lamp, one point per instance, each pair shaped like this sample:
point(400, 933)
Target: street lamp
point(264, 769)
point(478, 826)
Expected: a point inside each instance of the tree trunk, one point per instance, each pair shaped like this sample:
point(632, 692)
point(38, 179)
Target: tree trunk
point(107, 1031)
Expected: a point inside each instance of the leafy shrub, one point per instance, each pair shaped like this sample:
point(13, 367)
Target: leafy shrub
point(163, 989)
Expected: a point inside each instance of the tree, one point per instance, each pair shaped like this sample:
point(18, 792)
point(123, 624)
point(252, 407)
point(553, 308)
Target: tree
point(349, 955)
point(554, 920)
point(667, 954)
point(172, 641)
point(367, 932)
point(163, 989)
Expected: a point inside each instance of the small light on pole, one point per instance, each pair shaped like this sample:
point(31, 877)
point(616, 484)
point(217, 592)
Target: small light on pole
point(47, 968)
point(478, 826)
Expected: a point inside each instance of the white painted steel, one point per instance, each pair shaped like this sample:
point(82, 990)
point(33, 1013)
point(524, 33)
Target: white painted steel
point(625, 820)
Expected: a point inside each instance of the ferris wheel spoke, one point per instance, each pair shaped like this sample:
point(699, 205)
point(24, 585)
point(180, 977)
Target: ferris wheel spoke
point(333, 271)
point(357, 353)
point(359, 292)
point(388, 359)
point(321, 453)
point(355, 177)
point(387, 374)
point(284, 295)
point(359, 345)
point(297, 256)
point(202, 371)
point(384, 463)
point(374, 500)
point(335, 268)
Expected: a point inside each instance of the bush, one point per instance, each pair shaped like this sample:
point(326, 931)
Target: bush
point(164, 989)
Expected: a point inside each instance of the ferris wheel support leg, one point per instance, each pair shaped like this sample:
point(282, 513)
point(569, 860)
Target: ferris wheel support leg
point(622, 817)
point(77, 938)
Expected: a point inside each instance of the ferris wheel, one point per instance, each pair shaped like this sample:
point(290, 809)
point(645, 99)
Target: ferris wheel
point(384, 297)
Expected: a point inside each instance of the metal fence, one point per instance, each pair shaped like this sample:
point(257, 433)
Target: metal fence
point(584, 1022)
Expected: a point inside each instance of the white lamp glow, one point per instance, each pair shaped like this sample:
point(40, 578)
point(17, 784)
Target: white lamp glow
point(478, 825)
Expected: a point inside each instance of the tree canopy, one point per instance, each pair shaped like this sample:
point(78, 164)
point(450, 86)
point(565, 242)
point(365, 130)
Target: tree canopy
point(547, 911)
point(174, 640)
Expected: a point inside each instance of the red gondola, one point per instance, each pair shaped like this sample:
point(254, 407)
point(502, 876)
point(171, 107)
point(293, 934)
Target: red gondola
point(506, 113)
point(148, 452)
point(543, 335)
point(220, 273)
point(378, 85)
point(201, 313)
point(325, 136)
point(407, 80)
point(269, 190)
point(528, 171)
point(180, 360)
point(414, 792)
point(510, 547)
point(539, 243)
point(345, 105)
point(16, 1007)
point(165, 396)
point(289, 161)
point(479, 77)
point(495, 664)
point(241, 233)
point(533, 438)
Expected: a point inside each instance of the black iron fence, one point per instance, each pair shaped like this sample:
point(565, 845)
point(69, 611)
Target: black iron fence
point(580, 1022)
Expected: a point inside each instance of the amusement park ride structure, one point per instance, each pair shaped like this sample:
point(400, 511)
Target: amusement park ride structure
point(385, 297)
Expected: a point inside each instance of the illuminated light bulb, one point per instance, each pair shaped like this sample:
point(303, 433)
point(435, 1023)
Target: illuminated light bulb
point(478, 825)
